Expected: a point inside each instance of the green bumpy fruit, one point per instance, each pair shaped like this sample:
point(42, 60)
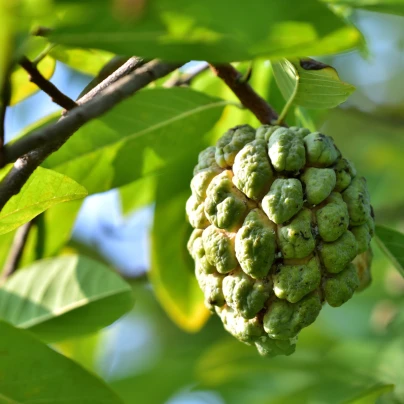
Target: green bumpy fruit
point(283, 225)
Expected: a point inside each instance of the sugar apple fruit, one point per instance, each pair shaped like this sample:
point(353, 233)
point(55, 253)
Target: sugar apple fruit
point(282, 225)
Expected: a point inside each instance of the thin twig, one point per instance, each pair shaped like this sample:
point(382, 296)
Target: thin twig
point(29, 152)
point(136, 275)
point(41, 31)
point(248, 97)
point(16, 251)
point(3, 108)
point(185, 79)
point(122, 70)
point(45, 85)
point(43, 54)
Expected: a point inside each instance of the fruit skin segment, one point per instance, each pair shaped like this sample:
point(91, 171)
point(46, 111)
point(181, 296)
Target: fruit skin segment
point(282, 225)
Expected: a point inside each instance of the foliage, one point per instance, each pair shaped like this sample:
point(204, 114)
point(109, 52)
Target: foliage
point(66, 292)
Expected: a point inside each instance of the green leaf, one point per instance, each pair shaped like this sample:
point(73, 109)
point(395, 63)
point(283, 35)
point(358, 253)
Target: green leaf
point(87, 61)
point(31, 372)
point(172, 373)
point(206, 29)
point(6, 240)
point(63, 297)
point(21, 85)
point(139, 137)
point(172, 271)
point(310, 119)
point(324, 370)
point(6, 49)
point(310, 84)
point(370, 395)
point(380, 6)
point(50, 232)
point(392, 244)
point(381, 161)
point(43, 189)
point(137, 194)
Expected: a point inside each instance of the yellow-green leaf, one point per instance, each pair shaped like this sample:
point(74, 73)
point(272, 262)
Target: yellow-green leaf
point(21, 84)
point(172, 272)
point(88, 61)
point(43, 189)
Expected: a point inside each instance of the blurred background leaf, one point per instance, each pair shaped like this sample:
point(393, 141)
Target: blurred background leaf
point(31, 371)
point(138, 194)
point(87, 61)
point(202, 30)
point(392, 244)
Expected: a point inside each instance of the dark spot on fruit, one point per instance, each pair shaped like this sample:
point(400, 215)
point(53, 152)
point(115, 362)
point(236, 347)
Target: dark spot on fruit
point(303, 236)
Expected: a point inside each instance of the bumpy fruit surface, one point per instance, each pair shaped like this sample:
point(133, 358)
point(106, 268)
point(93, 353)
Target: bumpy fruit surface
point(282, 225)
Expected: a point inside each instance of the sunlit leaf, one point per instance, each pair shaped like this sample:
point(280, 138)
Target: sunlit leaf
point(22, 87)
point(62, 297)
point(310, 84)
point(88, 61)
point(31, 372)
point(6, 50)
point(172, 272)
point(139, 137)
point(83, 350)
point(43, 189)
point(203, 30)
point(392, 244)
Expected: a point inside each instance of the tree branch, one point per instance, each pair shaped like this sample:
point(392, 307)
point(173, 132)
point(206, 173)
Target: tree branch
point(105, 77)
point(5, 96)
point(46, 86)
point(185, 79)
point(3, 108)
point(248, 97)
point(29, 152)
point(16, 250)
